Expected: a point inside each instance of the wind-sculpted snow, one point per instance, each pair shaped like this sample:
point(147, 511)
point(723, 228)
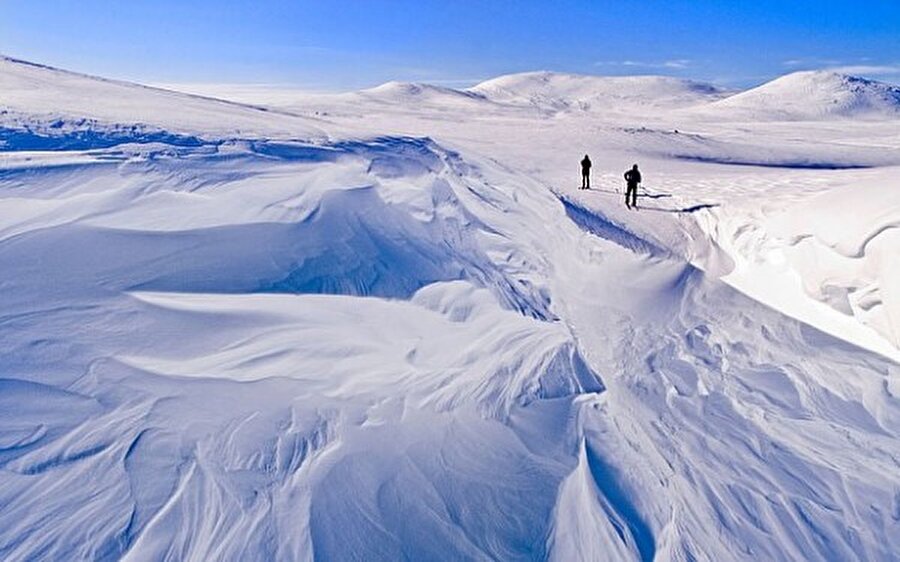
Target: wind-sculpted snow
point(205, 429)
point(86, 135)
point(852, 267)
point(235, 411)
point(390, 225)
point(385, 346)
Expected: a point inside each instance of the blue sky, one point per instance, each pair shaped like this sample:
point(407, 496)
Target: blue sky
point(338, 45)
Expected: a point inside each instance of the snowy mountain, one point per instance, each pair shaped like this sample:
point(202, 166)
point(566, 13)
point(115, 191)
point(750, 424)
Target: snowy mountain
point(403, 333)
point(814, 95)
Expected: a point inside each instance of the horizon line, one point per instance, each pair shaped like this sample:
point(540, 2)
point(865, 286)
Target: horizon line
point(874, 73)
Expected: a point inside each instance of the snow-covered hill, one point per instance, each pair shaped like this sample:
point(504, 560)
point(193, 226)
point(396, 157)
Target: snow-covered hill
point(406, 92)
point(814, 95)
point(413, 340)
point(557, 91)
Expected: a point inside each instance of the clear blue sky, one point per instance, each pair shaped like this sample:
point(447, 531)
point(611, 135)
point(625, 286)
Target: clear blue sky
point(337, 44)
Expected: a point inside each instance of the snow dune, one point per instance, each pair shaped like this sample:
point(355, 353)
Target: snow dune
point(393, 340)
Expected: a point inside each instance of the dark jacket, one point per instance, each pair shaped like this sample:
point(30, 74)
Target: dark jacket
point(633, 177)
point(585, 165)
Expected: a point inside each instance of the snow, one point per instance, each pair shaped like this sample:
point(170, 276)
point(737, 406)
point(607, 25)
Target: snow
point(850, 260)
point(49, 102)
point(557, 91)
point(386, 325)
point(815, 94)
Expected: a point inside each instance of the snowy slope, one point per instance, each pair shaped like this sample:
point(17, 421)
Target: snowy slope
point(41, 101)
point(385, 346)
point(814, 95)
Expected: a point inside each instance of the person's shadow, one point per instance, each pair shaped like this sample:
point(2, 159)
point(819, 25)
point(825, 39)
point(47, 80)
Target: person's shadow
point(649, 195)
point(692, 209)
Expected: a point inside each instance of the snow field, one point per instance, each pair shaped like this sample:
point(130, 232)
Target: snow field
point(258, 335)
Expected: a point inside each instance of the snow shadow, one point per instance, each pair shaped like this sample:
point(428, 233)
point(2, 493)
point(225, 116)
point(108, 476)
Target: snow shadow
point(295, 151)
point(691, 209)
point(599, 225)
point(608, 483)
point(641, 195)
point(790, 164)
point(56, 139)
point(339, 250)
point(646, 195)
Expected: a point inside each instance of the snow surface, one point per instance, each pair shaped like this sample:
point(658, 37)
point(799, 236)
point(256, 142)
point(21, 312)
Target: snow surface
point(385, 325)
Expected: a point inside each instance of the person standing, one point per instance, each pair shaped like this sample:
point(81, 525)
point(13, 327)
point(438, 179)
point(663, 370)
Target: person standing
point(585, 172)
point(632, 179)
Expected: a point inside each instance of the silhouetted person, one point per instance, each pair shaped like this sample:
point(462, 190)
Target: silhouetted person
point(632, 178)
point(586, 172)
